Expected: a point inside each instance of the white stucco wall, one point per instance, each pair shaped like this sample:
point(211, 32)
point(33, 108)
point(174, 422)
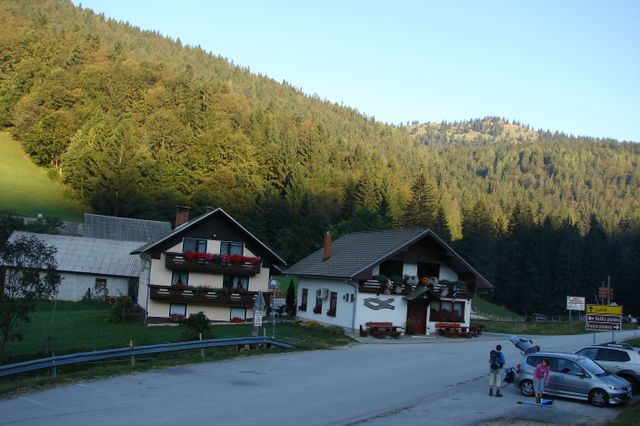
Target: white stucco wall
point(74, 286)
point(396, 316)
point(344, 308)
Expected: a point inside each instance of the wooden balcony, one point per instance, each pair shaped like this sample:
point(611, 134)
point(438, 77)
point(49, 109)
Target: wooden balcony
point(177, 262)
point(220, 297)
point(438, 290)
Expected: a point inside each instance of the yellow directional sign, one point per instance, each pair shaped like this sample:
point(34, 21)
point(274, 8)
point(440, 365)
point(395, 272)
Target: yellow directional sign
point(604, 310)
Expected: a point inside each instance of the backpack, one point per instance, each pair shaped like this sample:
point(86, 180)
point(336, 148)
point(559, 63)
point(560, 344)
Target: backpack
point(494, 364)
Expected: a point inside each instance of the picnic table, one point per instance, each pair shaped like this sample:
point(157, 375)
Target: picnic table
point(382, 329)
point(476, 329)
point(453, 330)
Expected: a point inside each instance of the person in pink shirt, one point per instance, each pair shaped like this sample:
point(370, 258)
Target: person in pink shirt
point(541, 378)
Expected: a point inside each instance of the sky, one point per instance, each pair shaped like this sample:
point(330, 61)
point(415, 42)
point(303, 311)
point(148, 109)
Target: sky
point(565, 65)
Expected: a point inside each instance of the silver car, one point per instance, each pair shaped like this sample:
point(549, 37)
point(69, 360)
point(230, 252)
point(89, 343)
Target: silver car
point(573, 376)
point(619, 358)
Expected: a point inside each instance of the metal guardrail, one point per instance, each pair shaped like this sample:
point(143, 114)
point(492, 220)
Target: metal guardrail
point(83, 357)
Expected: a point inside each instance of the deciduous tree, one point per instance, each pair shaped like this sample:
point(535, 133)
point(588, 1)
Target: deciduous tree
point(30, 275)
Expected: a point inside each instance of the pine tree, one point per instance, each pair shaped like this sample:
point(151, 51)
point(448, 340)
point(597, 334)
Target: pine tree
point(421, 209)
point(594, 256)
point(291, 299)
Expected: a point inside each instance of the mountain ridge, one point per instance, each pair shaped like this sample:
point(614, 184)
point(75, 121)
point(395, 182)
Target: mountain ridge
point(79, 90)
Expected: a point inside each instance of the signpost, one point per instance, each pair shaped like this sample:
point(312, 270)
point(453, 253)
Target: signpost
point(273, 286)
point(604, 309)
point(603, 318)
point(575, 304)
point(258, 309)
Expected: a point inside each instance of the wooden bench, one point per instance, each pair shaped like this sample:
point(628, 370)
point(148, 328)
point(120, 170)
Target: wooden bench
point(382, 329)
point(476, 329)
point(452, 330)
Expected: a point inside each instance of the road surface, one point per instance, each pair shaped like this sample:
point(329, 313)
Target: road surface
point(434, 381)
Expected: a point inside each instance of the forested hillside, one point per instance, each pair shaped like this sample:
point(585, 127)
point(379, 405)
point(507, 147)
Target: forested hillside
point(136, 123)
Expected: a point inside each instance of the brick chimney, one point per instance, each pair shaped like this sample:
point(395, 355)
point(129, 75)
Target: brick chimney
point(182, 215)
point(326, 251)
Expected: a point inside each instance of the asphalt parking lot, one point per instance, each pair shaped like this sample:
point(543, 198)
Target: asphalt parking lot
point(430, 381)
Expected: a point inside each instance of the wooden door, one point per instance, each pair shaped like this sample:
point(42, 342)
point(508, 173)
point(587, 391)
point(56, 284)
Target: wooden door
point(417, 312)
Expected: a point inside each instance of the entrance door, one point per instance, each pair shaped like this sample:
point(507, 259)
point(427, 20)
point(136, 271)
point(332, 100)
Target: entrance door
point(417, 312)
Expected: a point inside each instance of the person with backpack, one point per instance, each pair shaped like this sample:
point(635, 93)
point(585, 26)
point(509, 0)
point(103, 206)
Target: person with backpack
point(496, 362)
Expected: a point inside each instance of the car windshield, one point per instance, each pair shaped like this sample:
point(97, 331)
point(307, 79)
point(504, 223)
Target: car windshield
point(591, 367)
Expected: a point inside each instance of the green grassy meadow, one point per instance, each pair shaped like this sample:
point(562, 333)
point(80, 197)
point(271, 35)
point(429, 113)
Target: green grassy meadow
point(493, 311)
point(27, 189)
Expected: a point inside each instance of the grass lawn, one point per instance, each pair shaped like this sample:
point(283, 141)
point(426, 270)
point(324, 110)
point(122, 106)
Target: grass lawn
point(630, 416)
point(82, 326)
point(526, 327)
point(27, 189)
point(490, 310)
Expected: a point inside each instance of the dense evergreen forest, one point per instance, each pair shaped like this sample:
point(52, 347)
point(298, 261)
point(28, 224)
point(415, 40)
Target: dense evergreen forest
point(136, 123)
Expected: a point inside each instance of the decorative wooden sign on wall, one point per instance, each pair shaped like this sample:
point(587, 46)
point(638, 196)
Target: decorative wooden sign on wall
point(377, 304)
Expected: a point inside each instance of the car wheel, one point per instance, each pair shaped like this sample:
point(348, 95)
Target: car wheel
point(526, 387)
point(598, 397)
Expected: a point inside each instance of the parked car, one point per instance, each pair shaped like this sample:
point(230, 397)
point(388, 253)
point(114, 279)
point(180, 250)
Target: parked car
point(618, 358)
point(537, 317)
point(572, 376)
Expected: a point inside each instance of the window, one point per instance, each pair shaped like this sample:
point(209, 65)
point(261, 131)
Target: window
point(101, 285)
point(194, 244)
point(318, 308)
point(458, 311)
point(227, 247)
point(613, 355)
point(533, 360)
point(348, 297)
point(177, 310)
point(333, 304)
point(303, 302)
point(235, 281)
point(567, 366)
point(447, 311)
point(428, 269)
point(392, 269)
point(239, 313)
point(589, 353)
point(180, 278)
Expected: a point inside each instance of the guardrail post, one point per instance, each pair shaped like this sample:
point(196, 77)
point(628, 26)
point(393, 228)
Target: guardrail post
point(133, 358)
point(201, 350)
point(54, 372)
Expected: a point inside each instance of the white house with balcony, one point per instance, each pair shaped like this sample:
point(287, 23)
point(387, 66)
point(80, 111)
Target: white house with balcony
point(408, 277)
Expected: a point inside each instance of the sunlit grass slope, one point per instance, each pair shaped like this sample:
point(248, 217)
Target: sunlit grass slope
point(26, 188)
